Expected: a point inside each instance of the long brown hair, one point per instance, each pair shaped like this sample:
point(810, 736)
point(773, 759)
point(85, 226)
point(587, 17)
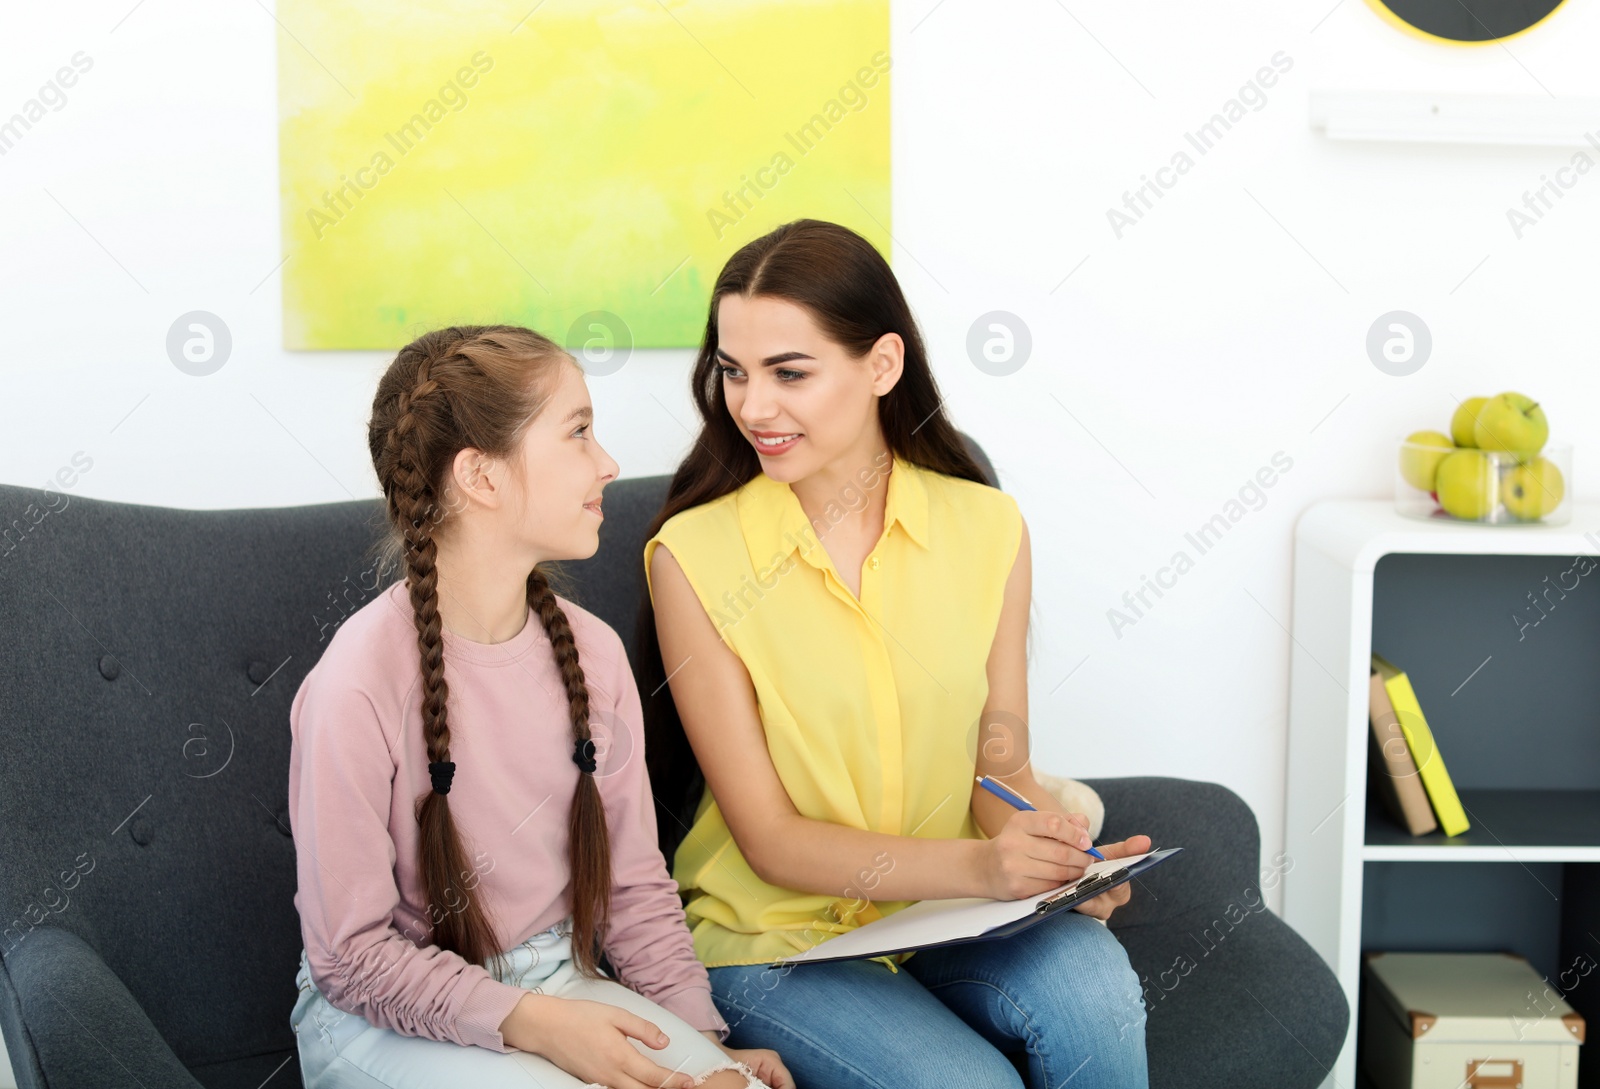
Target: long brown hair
point(850, 292)
point(476, 386)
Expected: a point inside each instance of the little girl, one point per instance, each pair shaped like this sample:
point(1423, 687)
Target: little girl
point(467, 787)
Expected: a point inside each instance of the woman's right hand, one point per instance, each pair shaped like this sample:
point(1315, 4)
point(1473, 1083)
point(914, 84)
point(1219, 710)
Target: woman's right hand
point(1035, 852)
point(589, 1040)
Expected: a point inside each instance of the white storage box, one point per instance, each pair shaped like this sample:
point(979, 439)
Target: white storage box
point(1465, 1021)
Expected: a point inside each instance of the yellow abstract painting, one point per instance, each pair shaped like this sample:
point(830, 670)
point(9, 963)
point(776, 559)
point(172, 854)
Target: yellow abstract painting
point(582, 167)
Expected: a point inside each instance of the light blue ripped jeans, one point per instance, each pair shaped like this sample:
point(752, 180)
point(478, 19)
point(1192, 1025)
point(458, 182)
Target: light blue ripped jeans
point(340, 1050)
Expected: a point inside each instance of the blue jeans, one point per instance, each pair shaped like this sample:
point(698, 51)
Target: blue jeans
point(1061, 991)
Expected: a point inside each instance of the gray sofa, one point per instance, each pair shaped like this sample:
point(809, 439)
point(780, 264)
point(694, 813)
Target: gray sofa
point(147, 870)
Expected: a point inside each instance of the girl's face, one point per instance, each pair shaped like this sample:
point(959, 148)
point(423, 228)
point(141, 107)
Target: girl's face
point(801, 400)
point(563, 470)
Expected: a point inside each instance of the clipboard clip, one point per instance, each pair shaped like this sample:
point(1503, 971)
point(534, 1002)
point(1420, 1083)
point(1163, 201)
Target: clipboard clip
point(1083, 890)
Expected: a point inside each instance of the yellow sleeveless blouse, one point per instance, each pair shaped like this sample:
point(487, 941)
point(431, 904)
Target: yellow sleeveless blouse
point(870, 706)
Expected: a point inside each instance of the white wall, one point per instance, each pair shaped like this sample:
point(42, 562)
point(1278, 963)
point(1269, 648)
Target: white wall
point(1227, 324)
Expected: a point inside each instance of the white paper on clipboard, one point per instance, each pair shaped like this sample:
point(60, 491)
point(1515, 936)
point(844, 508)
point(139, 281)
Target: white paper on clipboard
point(935, 922)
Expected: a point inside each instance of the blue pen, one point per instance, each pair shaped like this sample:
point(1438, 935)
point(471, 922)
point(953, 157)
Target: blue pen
point(1011, 797)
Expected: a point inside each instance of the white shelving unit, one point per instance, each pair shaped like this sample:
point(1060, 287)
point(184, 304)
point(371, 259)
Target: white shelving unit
point(1338, 543)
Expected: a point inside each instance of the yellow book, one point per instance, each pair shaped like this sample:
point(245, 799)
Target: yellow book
point(1419, 739)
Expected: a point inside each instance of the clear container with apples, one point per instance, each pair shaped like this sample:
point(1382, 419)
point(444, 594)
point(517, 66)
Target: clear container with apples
point(1495, 467)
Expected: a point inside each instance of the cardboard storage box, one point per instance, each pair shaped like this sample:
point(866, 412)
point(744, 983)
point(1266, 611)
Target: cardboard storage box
point(1465, 1021)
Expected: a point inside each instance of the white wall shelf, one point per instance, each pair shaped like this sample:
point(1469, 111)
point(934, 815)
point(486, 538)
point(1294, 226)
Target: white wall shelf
point(1529, 119)
point(1328, 833)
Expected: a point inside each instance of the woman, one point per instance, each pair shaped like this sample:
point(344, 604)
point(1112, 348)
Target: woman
point(466, 851)
point(841, 605)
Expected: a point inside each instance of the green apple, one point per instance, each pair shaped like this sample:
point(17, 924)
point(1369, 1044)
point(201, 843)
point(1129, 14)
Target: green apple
point(1513, 423)
point(1468, 484)
point(1420, 457)
point(1465, 420)
point(1533, 490)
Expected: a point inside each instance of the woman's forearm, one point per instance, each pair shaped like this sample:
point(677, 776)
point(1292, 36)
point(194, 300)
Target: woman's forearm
point(833, 859)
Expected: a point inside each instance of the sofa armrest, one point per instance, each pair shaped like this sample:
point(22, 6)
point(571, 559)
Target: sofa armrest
point(1233, 997)
point(68, 1020)
point(1221, 843)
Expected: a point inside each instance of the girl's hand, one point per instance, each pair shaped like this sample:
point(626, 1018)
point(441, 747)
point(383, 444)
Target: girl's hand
point(1103, 905)
point(1035, 852)
point(765, 1062)
point(589, 1040)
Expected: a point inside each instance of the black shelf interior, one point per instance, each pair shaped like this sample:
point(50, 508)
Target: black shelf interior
point(1505, 661)
point(1504, 818)
point(1503, 652)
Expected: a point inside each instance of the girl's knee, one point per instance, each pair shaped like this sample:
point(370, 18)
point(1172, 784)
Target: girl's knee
point(728, 1078)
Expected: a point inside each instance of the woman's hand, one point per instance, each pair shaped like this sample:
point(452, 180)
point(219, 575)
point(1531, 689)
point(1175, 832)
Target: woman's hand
point(1103, 905)
point(589, 1040)
point(765, 1062)
point(1035, 852)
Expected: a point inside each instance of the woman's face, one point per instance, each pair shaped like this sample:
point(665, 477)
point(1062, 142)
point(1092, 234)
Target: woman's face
point(801, 400)
point(562, 471)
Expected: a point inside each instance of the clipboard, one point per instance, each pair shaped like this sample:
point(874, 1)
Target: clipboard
point(928, 924)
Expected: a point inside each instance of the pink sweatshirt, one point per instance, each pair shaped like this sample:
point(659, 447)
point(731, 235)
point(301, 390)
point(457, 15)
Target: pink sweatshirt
point(357, 764)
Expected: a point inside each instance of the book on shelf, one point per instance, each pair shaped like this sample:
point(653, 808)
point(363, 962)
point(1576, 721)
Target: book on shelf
point(1423, 749)
point(1393, 772)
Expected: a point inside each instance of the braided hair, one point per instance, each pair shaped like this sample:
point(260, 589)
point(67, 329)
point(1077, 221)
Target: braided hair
point(448, 390)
